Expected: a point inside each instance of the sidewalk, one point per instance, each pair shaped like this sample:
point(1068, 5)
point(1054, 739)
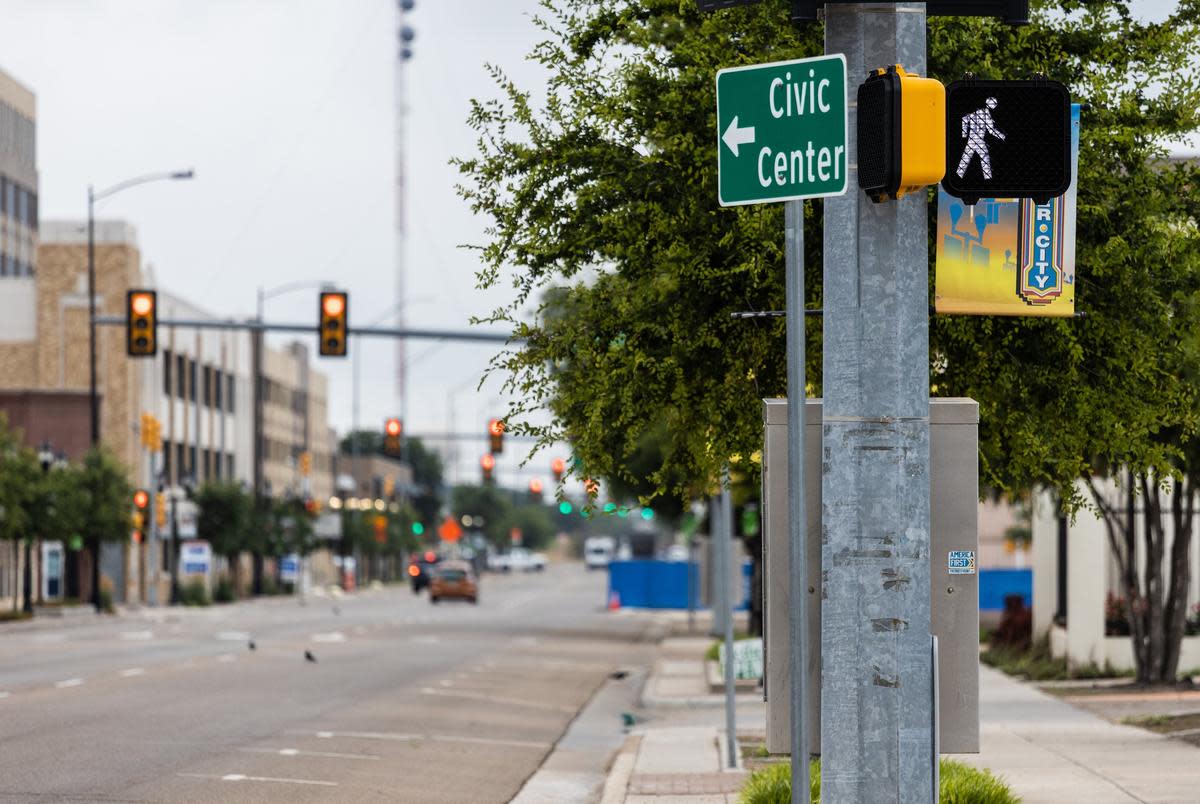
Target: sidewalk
point(1048, 751)
point(1051, 752)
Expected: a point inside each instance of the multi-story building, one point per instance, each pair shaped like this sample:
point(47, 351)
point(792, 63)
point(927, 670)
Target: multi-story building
point(199, 386)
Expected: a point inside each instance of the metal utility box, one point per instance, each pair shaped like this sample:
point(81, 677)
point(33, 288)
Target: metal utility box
point(954, 495)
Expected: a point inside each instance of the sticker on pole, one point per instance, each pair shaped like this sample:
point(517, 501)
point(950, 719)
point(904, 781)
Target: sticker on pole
point(961, 562)
point(781, 131)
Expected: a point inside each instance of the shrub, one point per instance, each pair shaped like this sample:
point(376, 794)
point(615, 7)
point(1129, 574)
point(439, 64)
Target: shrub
point(106, 596)
point(194, 593)
point(224, 593)
point(959, 784)
point(1016, 625)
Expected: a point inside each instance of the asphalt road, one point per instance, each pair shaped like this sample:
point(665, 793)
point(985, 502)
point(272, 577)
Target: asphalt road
point(406, 702)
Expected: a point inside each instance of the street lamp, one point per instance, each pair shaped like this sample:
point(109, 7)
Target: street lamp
point(93, 197)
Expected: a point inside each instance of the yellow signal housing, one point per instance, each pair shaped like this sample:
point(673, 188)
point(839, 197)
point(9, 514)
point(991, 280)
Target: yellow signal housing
point(901, 133)
point(141, 323)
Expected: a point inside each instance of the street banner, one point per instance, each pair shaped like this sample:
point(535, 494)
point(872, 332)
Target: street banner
point(1008, 256)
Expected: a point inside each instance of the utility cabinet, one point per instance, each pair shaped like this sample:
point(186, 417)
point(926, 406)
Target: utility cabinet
point(954, 545)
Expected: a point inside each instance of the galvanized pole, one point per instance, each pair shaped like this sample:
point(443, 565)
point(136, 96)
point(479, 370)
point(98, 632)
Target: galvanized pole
point(876, 697)
point(717, 570)
point(793, 212)
point(725, 547)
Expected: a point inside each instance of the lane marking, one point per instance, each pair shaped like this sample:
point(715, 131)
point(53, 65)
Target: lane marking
point(133, 671)
point(478, 696)
point(368, 735)
point(70, 682)
point(241, 777)
point(233, 636)
point(4, 695)
point(226, 657)
point(49, 638)
point(137, 635)
point(296, 752)
point(332, 636)
point(445, 682)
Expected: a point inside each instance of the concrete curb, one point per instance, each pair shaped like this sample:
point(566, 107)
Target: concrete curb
point(621, 771)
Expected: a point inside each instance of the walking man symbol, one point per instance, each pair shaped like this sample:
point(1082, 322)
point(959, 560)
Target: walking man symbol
point(975, 127)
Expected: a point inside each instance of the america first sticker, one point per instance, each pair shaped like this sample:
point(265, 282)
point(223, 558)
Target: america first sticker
point(961, 562)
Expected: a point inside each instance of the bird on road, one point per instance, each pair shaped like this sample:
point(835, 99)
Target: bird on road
point(309, 657)
point(252, 646)
point(337, 611)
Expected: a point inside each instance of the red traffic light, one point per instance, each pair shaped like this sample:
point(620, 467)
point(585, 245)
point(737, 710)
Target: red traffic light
point(430, 556)
point(393, 427)
point(558, 466)
point(333, 304)
point(488, 462)
point(141, 303)
point(414, 570)
point(535, 486)
point(141, 500)
point(495, 427)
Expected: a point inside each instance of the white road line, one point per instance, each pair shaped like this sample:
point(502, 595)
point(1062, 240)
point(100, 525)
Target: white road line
point(226, 657)
point(49, 637)
point(233, 636)
point(4, 695)
point(368, 735)
point(137, 635)
point(332, 636)
point(241, 777)
point(133, 671)
point(296, 752)
point(445, 682)
point(478, 696)
point(70, 682)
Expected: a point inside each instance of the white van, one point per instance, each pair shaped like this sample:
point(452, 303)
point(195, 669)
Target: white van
point(598, 551)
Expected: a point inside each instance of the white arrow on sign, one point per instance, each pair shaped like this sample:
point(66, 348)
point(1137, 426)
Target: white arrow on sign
point(734, 136)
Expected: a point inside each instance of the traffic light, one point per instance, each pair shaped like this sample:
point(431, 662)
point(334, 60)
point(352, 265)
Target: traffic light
point(333, 329)
point(305, 464)
point(141, 323)
point(565, 508)
point(1007, 139)
point(496, 435)
point(393, 429)
point(487, 463)
point(381, 529)
point(418, 529)
point(160, 509)
point(141, 500)
point(535, 489)
point(901, 133)
point(151, 432)
point(558, 466)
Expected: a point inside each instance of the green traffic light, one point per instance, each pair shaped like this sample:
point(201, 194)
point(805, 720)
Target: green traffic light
point(624, 512)
point(418, 528)
point(647, 514)
point(610, 507)
point(564, 508)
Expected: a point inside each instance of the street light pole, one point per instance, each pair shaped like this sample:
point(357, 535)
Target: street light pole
point(93, 393)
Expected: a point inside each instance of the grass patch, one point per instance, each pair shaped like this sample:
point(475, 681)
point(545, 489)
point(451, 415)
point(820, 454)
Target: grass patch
point(13, 616)
point(713, 654)
point(1152, 722)
point(1036, 664)
point(960, 784)
point(194, 593)
point(1164, 724)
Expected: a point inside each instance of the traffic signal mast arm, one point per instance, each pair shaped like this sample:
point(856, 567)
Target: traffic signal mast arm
point(381, 332)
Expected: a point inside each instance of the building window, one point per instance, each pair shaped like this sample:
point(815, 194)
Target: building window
point(181, 376)
point(218, 389)
point(230, 394)
point(229, 466)
point(192, 463)
point(167, 372)
point(166, 470)
point(3, 195)
point(180, 463)
point(192, 366)
point(206, 399)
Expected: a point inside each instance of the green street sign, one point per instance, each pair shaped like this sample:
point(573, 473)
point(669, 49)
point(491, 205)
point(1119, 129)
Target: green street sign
point(781, 131)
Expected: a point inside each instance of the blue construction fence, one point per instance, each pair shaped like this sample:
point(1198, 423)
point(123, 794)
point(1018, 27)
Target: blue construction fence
point(653, 584)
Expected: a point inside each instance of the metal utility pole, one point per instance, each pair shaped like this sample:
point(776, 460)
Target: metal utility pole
point(876, 695)
point(793, 212)
point(725, 547)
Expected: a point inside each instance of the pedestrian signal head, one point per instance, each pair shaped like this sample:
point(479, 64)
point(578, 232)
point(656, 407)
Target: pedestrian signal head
point(332, 332)
point(901, 133)
point(141, 323)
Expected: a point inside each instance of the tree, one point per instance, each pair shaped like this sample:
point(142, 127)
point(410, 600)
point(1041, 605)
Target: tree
point(426, 467)
point(18, 493)
point(225, 516)
point(489, 503)
point(534, 522)
point(602, 198)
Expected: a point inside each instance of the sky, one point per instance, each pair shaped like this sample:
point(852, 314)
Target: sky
point(285, 109)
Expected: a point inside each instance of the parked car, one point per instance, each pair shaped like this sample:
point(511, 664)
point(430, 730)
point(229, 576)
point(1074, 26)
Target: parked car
point(454, 579)
point(598, 551)
point(498, 562)
point(676, 552)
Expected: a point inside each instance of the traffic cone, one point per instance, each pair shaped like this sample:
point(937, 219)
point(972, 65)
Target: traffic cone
point(614, 600)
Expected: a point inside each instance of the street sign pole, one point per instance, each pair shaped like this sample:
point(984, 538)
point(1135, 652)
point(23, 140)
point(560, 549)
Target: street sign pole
point(876, 697)
point(793, 215)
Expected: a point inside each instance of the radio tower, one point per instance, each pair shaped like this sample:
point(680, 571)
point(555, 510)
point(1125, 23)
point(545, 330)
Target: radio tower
point(404, 38)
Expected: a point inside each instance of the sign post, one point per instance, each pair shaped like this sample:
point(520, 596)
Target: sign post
point(781, 131)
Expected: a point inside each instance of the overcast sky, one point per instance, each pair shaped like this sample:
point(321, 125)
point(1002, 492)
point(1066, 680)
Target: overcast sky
point(285, 110)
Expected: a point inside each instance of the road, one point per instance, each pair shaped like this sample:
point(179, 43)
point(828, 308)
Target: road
point(406, 702)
